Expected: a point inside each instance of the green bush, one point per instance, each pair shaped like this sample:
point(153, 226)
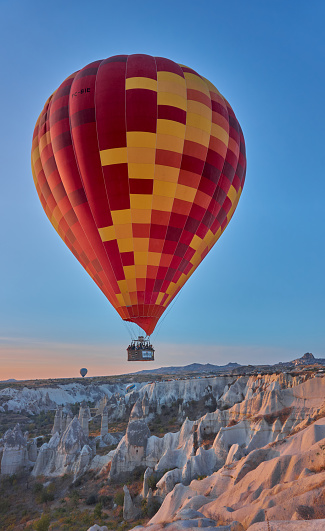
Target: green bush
point(43, 523)
point(119, 498)
point(106, 501)
point(98, 511)
point(92, 499)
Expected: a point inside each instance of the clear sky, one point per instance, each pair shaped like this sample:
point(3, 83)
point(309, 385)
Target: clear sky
point(259, 295)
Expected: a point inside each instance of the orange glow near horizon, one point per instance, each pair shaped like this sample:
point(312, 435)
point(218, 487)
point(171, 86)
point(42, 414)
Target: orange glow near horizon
point(27, 359)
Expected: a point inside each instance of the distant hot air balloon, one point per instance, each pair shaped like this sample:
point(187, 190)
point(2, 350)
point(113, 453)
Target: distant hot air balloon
point(139, 164)
point(83, 372)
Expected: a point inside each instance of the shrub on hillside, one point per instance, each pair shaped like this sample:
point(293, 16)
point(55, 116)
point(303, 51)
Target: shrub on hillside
point(43, 523)
point(92, 499)
point(119, 498)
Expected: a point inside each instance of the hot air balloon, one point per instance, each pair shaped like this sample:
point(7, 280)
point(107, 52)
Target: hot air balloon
point(139, 164)
point(83, 372)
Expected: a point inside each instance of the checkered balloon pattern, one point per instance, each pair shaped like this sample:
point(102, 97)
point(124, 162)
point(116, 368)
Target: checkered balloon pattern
point(139, 164)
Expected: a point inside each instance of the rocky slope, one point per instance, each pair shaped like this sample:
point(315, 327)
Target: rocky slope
point(269, 466)
point(255, 452)
point(35, 400)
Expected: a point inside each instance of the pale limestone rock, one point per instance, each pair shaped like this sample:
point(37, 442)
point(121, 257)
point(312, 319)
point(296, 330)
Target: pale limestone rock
point(57, 426)
point(130, 512)
point(137, 411)
point(84, 418)
point(14, 454)
point(235, 453)
point(131, 451)
point(104, 423)
point(145, 488)
point(66, 453)
point(282, 525)
point(145, 405)
point(168, 481)
point(32, 451)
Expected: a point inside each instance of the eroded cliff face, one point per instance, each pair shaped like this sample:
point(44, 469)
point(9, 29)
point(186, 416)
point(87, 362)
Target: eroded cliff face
point(254, 411)
point(265, 461)
point(68, 452)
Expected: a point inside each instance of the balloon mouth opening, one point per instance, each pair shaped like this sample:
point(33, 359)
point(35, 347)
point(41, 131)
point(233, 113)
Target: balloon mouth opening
point(148, 324)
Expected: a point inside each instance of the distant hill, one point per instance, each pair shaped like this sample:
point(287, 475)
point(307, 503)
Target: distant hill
point(208, 368)
point(193, 367)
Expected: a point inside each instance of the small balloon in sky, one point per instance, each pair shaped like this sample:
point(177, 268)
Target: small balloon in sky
point(83, 372)
point(139, 164)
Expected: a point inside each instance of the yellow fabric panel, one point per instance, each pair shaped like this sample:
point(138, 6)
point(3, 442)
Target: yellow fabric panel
point(125, 245)
point(172, 78)
point(233, 146)
point(198, 121)
point(107, 233)
point(44, 140)
point(141, 171)
point(160, 296)
point(113, 156)
point(122, 284)
point(140, 258)
point(140, 201)
point(55, 223)
point(154, 258)
point(171, 288)
point(170, 143)
point(35, 157)
point(211, 87)
point(141, 216)
point(173, 88)
point(168, 127)
point(199, 108)
point(131, 282)
point(169, 98)
point(196, 242)
point(197, 135)
point(185, 193)
point(123, 231)
point(120, 299)
point(140, 244)
point(164, 188)
point(234, 205)
point(141, 269)
point(129, 272)
point(195, 82)
point(166, 174)
point(232, 194)
point(120, 217)
point(162, 203)
point(220, 133)
point(141, 155)
point(127, 299)
point(141, 139)
point(140, 83)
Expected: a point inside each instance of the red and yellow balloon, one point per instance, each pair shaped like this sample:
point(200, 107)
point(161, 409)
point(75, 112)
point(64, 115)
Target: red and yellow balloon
point(139, 164)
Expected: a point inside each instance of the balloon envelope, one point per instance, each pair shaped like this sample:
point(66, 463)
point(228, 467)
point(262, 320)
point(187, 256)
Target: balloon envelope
point(139, 164)
point(83, 372)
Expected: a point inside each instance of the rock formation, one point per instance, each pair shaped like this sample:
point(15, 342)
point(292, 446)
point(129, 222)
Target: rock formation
point(130, 511)
point(69, 452)
point(84, 418)
point(104, 423)
point(14, 454)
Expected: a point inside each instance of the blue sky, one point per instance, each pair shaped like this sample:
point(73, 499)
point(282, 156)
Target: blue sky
point(259, 295)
